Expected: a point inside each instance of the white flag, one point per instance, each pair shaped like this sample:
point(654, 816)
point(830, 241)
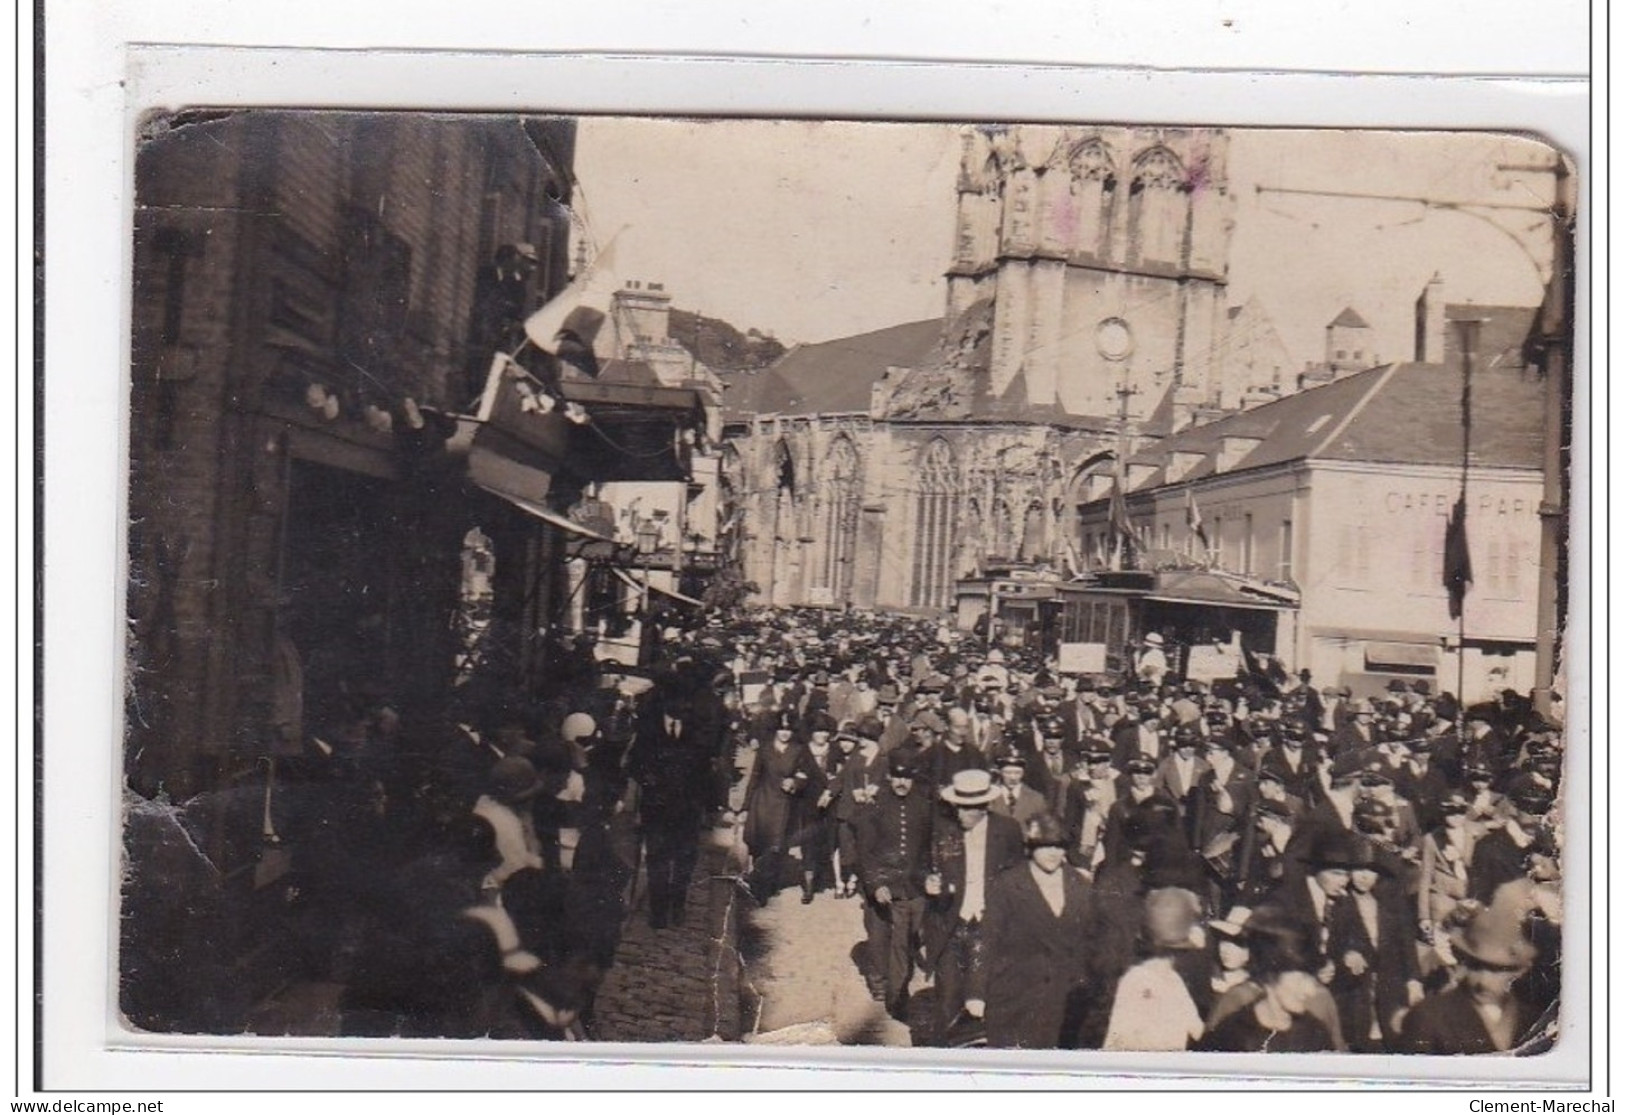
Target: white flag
point(568, 325)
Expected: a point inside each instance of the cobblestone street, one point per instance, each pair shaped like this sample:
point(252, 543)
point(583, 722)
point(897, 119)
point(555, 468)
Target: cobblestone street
point(681, 983)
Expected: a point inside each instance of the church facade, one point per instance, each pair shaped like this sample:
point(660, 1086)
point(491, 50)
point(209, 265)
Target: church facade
point(1084, 315)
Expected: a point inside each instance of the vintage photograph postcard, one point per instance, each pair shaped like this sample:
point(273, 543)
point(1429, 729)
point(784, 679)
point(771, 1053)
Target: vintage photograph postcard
point(972, 586)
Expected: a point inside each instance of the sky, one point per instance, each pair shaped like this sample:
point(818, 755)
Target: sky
point(815, 230)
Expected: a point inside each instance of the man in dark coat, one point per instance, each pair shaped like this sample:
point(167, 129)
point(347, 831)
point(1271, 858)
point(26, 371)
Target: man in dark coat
point(893, 840)
point(966, 857)
point(672, 766)
point(1503, 854)
point(1309, 898)
point(1480, 1013)
point(1036, 937)
point(1371, 940)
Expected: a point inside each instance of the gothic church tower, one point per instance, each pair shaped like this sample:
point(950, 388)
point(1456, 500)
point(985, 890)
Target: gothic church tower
point(1104, 252)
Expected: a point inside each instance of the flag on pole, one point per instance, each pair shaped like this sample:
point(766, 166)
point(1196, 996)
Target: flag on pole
point(1458, 560)
point(1193, 520)
point(568, 325)
point(1120, 524)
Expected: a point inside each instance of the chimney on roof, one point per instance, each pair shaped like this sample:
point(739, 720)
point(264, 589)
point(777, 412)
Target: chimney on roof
point(1430, 323)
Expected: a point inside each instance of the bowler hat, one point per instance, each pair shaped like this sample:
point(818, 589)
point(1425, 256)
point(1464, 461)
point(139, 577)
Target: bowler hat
point(970, 788)
point(1153, 639)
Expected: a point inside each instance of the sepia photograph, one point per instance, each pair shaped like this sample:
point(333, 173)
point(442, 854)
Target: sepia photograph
point(973, 586)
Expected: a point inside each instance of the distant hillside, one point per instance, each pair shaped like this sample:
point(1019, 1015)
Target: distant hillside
point(718, 345)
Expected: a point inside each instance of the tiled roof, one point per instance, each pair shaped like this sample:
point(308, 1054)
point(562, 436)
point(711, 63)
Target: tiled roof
point(834, 377)
point(1397, 414)
point(1349, 319)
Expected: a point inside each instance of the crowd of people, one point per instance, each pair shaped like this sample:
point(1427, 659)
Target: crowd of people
point(1129, 862)
point(1143, 863)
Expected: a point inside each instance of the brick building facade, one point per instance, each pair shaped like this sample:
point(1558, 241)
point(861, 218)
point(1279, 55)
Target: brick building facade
point(303, 291)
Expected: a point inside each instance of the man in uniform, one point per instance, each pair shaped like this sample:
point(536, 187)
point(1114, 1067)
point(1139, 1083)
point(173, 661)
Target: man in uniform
point(893, 839)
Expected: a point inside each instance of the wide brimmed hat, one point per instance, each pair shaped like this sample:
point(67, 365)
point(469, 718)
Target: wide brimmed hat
point(1153, 639)
point(970, 788)
point(887, 695)
point(1494, 940)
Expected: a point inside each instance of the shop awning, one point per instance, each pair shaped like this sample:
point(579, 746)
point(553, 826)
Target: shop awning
point(673, 593)
point(542, 513)
point(1424, 655)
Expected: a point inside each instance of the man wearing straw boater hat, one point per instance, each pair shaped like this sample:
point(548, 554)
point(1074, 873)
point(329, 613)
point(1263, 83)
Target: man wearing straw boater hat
point(965, 858)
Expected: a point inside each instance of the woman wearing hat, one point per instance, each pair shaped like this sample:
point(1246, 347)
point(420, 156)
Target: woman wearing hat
point(772, 804)
point(1036, 938)
point(1447, 852)
point(1282, 1016)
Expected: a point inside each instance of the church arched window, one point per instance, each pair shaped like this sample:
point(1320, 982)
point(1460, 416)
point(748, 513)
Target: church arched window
point(1092, 192)
point(839, 492)
point(1157, 208)
point(936, 508)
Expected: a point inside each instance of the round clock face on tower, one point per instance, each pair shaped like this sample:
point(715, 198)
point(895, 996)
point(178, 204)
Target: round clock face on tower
point(1114, 339)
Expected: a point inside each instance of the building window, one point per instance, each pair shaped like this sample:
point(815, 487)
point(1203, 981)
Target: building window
point(1493, 580)
point(840, 519)
point(1510, 571)
point(1215, 542)
point(1167, 537)
point(1247, 545)
point(1091, 189)
point(935, 512)
point(1157, 208)
point(1286, 549)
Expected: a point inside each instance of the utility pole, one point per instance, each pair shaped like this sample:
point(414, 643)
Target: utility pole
point(1555, 326)
point(1125, 391)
